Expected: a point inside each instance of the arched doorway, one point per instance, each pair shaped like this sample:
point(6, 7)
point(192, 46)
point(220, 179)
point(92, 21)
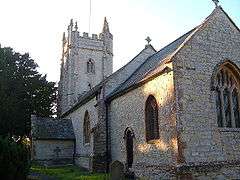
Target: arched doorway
point(129, 135)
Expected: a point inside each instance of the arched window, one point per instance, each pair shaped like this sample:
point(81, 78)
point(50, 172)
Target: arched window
point(86, 128)
point(90, 66)
point(227, 96)
point(151, 119)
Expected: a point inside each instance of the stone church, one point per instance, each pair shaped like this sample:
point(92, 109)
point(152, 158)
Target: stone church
point(171, 114)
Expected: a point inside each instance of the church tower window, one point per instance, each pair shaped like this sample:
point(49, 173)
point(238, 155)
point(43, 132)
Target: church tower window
point(90, 66)
point(86, 128)
point(227, 96)
point(151, 119)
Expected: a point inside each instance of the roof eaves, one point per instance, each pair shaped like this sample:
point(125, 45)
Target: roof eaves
point(165, 69)
point(84, 99)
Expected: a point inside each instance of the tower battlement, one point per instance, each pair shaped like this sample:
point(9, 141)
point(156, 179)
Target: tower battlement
point(98, 42)
point(93, 36)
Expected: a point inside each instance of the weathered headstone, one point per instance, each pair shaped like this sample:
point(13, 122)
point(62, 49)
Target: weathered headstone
point(116, 170)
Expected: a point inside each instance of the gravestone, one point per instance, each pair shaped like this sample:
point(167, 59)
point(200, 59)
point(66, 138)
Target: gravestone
point(116, 170)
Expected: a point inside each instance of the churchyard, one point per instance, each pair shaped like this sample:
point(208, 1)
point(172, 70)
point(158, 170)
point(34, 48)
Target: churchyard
point(65, 172)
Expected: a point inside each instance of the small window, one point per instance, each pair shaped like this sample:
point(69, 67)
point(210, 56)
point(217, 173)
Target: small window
point(227, 96)
point(86, 128)
point(90, 66)
point(151, 119)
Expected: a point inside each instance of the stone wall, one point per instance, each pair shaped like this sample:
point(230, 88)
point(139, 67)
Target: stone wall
point(201, 141)
point(84, 152)
point(81, 77)
point(53, 151)
point(128, 110)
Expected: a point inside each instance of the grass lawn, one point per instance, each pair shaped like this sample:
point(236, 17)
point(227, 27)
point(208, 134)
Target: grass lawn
point(68, 172)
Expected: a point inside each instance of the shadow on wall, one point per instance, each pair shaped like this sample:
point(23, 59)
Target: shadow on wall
point(162, 89)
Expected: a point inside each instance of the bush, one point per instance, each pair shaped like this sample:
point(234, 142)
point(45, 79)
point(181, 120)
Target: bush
point(14, 159)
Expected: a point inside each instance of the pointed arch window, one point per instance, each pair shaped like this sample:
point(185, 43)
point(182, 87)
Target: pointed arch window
point(227, 96)
point(86, 128)
point(90, 66)
point(151, 119)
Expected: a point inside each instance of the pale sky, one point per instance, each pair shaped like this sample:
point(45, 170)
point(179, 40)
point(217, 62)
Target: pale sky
point(36, 26)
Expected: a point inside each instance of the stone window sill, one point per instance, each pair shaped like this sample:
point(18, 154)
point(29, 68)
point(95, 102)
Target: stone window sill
point(90, 73)
point(225, 129)
point(153, 141)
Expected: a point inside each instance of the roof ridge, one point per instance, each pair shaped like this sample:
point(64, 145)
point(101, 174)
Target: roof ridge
point(130, 61)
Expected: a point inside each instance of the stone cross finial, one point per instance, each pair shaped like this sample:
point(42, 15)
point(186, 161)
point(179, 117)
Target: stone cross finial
point(216, 2)
point(148, 39)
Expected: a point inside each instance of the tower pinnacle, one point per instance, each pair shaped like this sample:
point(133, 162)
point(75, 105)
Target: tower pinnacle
point(64, 37)
point(76, 26)
point(70, 25)
point(71, 22)
point(105, 26)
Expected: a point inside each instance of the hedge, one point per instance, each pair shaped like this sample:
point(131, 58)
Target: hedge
point(14, 159)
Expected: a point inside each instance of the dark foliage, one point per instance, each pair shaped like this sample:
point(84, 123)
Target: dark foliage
point(14, 159)
point(23, 91)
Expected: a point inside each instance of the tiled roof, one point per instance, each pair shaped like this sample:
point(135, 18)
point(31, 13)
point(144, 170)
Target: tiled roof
point(51, 128)
point(150, 64)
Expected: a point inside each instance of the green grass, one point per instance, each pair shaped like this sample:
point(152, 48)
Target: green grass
point(68, 173)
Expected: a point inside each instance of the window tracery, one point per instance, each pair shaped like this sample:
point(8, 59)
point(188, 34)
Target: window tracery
point(227, 97)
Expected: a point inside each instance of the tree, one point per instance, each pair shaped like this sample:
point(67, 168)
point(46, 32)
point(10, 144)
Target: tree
point(23, 91)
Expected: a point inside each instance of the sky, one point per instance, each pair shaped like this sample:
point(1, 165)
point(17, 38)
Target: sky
point(36, 26)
